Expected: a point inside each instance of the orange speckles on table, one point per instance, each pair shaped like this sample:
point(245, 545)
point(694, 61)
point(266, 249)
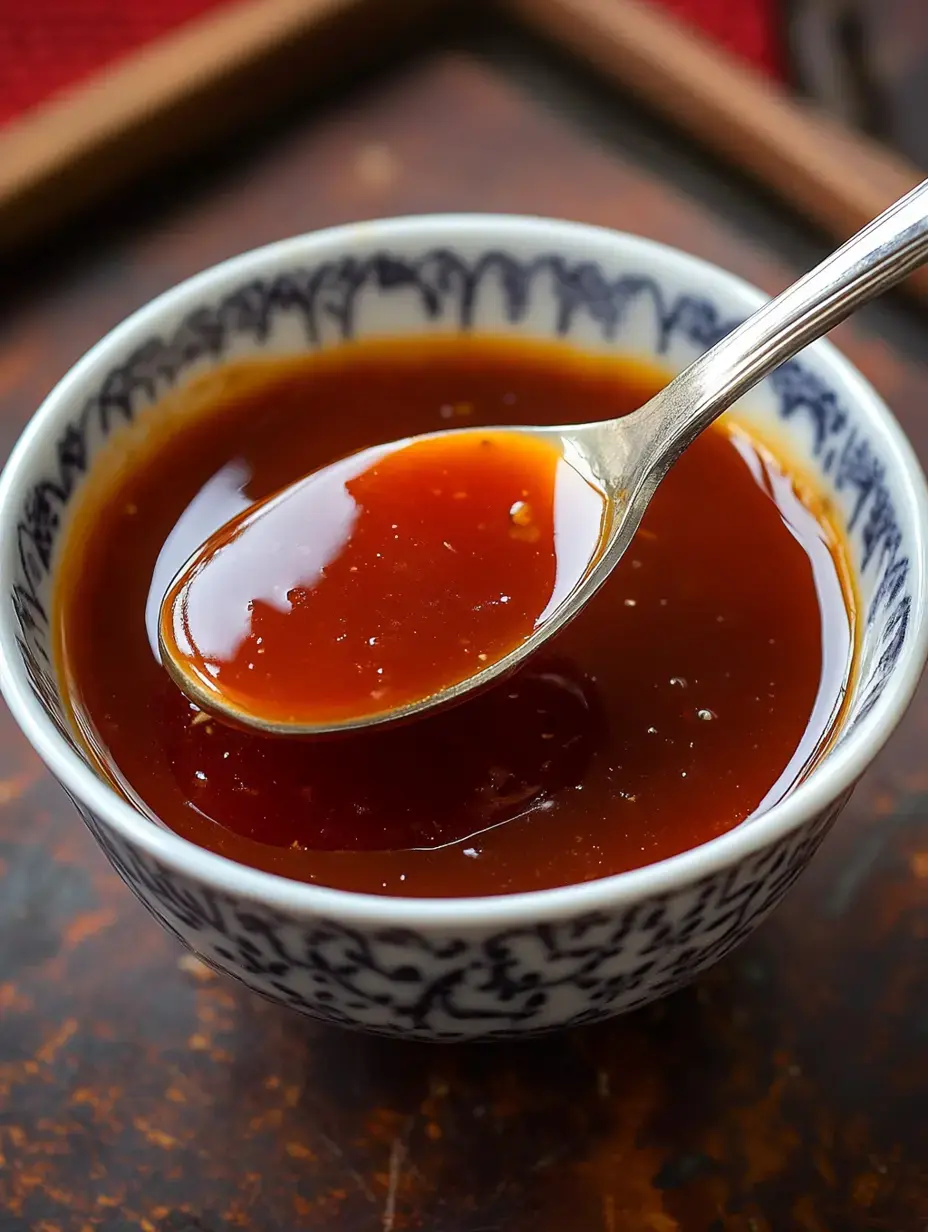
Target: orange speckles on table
point(65, 1198)
point(385, 1124)
point(157, 1137)
point(618, 1169)
point(659, 1222)
point(919, 864)
point(393, 1183)
point(270, 1119)
point(609, 1213)
point(806, 1217)
point(768, 1139)
point(13, 999)
point(18, 784)
point(88, 925)
point(50, 1049)
point(865, 1189)
point(296, 1150)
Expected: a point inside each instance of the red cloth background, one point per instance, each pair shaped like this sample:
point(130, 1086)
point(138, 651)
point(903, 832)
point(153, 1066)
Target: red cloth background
point(48, 45)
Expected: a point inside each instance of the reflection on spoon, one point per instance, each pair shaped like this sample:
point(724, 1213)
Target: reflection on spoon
point(221, 498)
point(380, 580)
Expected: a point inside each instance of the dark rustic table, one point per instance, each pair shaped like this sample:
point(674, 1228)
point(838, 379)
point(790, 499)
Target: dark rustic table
point(786, 1090)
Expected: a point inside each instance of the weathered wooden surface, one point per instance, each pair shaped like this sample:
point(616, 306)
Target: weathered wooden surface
point(786, 1090)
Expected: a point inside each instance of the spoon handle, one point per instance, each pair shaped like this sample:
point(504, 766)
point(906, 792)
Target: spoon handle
point(870, 262)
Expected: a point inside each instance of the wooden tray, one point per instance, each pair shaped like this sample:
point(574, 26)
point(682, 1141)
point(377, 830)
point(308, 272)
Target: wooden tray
point(237, 63)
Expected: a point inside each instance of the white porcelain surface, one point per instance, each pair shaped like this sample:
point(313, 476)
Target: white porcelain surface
point(527, 962)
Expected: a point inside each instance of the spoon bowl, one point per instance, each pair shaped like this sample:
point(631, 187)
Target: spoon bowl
point(624, 459)
point(292, 540)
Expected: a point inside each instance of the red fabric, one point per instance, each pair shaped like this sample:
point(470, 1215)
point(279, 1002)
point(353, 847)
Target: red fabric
point(48, 45)
point(748, 28)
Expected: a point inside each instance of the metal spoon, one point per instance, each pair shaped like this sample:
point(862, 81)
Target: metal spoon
point(628, 457)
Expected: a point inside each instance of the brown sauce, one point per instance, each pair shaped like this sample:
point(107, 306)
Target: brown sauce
point(697, 688)
point(381, 579)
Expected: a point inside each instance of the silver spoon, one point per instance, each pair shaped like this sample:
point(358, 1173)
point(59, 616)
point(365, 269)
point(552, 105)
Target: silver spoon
point(626, 458)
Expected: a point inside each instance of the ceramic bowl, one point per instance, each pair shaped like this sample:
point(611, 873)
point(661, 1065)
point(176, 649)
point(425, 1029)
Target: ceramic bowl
point(465, 968)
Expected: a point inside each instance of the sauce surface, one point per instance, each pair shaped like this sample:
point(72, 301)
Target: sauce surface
point(696, 688)
point(382, 579)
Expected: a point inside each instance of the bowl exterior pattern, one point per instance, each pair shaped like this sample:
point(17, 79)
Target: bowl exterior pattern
point(476, 983)
point(479, 983)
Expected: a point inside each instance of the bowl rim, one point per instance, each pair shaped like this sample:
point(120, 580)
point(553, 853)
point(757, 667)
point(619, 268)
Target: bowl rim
point(837, 773)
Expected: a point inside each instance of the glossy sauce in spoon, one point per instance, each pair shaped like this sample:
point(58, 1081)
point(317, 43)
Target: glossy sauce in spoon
point(387, 577)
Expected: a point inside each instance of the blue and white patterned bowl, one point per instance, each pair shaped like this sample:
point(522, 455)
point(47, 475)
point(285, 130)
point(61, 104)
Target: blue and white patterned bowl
point(453, 969)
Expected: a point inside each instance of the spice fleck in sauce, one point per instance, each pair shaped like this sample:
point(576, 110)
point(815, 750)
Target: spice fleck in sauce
point(696, 688)
point(383, 578)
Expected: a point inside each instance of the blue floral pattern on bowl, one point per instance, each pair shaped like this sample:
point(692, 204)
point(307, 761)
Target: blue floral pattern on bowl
point(474, 981)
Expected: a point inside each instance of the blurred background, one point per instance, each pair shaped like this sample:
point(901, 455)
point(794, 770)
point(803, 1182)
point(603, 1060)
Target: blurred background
point(47, 46)
point(94, 92)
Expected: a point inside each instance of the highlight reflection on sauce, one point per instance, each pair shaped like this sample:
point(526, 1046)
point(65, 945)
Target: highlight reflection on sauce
point(384, 578)
point(695, 689)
